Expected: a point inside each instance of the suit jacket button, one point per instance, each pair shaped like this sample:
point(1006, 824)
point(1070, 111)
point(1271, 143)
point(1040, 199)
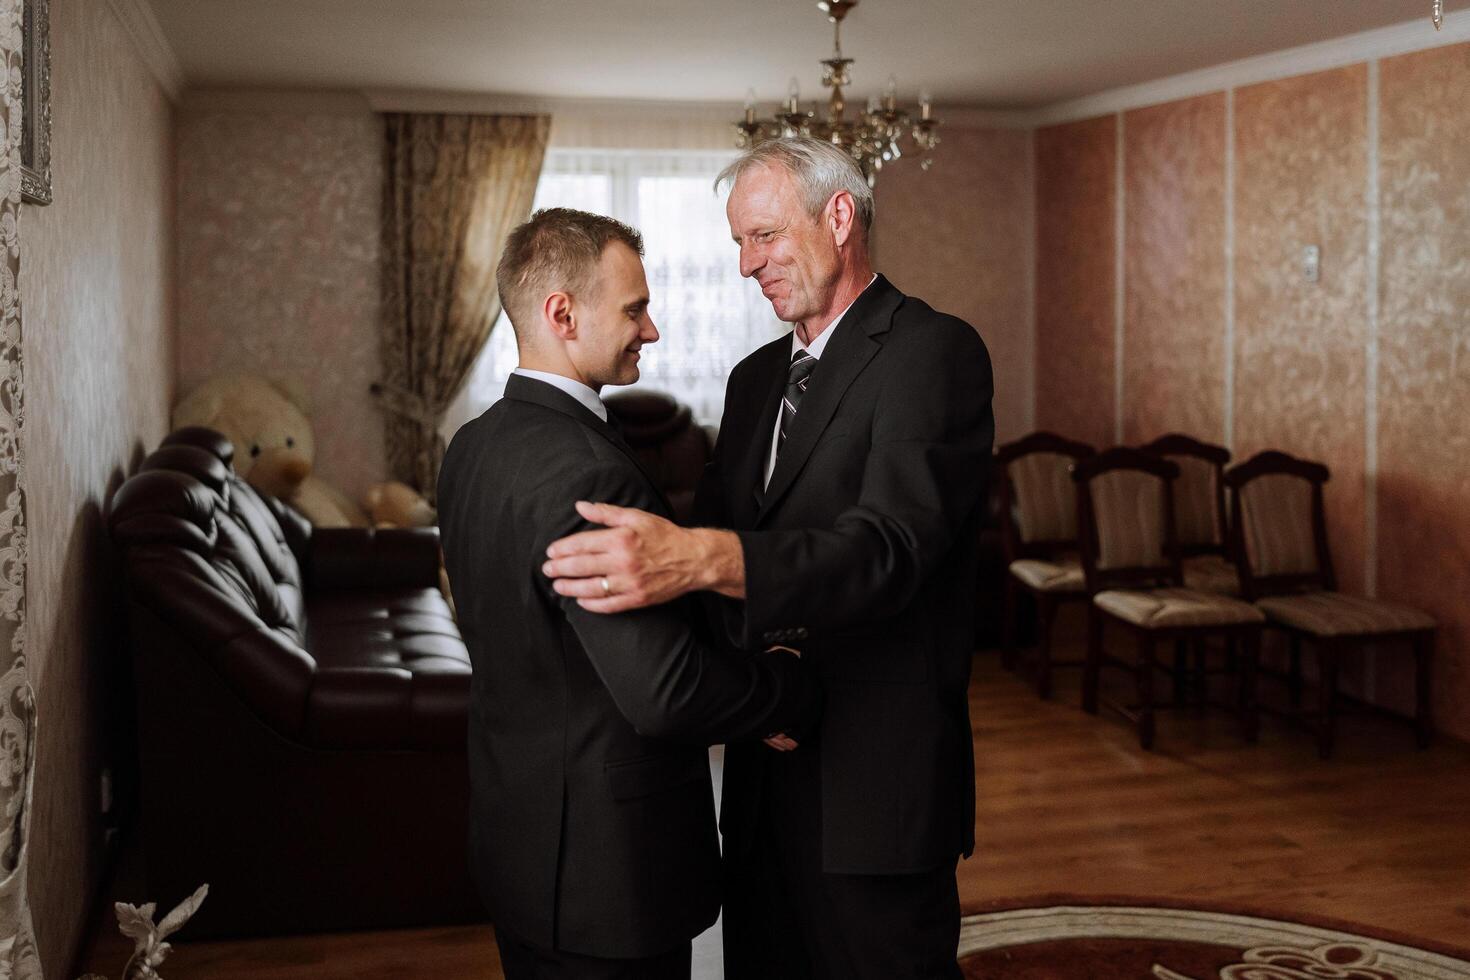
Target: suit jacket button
point(768, 637)
point(801, 633)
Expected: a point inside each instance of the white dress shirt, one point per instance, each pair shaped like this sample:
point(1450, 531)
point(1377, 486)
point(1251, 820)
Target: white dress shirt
point(815, 350)
point(576, 389)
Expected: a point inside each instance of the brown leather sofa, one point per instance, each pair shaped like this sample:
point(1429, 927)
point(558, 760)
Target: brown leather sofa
point(302, 702)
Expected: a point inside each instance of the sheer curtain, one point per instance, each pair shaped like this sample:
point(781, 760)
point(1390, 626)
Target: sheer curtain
point(707, 315)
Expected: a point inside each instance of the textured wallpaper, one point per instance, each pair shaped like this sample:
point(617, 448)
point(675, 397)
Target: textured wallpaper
point(278, 229)
point(949, 236)
point(1300, 179)
point(1424, 367)
point(1076, 170)
point(1174, 315)
point(96, 284)
point(1301, 350)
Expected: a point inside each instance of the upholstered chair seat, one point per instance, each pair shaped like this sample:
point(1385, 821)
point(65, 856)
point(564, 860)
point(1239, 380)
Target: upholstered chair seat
point(1064, 575)
point(1169, 608)
point(1337, 614)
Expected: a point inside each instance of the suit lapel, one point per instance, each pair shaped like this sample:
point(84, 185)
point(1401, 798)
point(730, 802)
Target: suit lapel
point(847, 353)
point(535, 392)
point(751, 471)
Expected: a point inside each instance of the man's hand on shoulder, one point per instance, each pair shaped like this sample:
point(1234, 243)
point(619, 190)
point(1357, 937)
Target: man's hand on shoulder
point(639, 559)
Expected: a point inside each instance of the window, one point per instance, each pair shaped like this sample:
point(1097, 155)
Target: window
point(708, 316)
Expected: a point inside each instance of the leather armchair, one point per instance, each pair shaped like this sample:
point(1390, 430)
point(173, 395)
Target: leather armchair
point(670, 445)
point(302, 704)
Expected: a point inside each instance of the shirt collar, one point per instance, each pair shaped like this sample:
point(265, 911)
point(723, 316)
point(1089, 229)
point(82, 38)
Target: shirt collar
point(820, 344)
point(576, 389)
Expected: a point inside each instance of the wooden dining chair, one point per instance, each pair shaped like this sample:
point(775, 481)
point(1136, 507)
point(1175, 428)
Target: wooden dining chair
point(1200, 521)
point(1202, 537)
point(1135, 580)
point(1279, 535)
point(1039, 514)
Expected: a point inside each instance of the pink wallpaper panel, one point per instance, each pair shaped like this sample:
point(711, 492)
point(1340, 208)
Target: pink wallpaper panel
point(1301, 179)
point(949, 236)
point(1076, 168)
point(1174, 253)
point(278, 223)
point(1424, 367)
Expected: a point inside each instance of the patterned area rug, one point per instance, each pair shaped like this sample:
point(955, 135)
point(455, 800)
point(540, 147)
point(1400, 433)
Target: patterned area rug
point(1113, 942)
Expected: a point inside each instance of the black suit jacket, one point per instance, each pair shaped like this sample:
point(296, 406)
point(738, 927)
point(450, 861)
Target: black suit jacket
point(863, 552)
point(592, 821)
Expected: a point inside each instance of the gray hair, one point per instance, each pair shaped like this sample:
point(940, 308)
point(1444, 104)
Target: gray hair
point(819, 168)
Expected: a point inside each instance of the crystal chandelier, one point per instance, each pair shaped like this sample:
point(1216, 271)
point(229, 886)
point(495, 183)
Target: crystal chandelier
point(874, 136)
point(1438, 14)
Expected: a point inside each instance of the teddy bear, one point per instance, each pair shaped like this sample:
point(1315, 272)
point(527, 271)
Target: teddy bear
point(394, 504)
point(274, 448)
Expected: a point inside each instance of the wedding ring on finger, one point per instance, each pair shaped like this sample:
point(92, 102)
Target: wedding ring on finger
point(606, 589)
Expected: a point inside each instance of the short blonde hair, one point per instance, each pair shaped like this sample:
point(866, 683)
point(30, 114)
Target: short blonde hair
point(556, 251)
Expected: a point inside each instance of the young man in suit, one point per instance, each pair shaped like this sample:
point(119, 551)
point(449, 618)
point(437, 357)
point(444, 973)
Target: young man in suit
point(592, 828)
point(851, 465)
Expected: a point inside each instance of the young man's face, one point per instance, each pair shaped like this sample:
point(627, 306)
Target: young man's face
point(612, 320)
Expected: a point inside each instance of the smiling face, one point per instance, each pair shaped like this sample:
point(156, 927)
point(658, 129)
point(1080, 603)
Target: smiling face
point(792, 255)
point(612, 321)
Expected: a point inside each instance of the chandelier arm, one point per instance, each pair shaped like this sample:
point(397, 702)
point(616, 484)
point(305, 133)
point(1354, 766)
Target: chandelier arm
point(877, 135)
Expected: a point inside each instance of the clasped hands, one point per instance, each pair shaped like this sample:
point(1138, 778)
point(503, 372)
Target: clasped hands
point(638, 559)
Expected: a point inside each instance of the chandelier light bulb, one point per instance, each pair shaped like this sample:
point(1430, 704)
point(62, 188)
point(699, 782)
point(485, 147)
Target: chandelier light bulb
point(1438, 14)
point(926, 104)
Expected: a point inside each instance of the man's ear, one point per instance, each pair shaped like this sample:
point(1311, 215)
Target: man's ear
point(841, 215)
point(558, 313)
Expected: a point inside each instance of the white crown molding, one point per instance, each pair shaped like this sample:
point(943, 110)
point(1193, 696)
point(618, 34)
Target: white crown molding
point(1384, 42)
point(970, 117)
point(415, 100)
point(142, 26)
point(343, 102)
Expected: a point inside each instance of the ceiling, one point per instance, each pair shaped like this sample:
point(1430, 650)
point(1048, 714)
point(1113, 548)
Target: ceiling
point(982, 53)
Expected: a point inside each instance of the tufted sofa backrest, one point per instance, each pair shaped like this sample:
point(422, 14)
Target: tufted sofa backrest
point(205, 554)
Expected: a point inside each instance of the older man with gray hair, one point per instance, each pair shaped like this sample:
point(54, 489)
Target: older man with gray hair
point(841, 515)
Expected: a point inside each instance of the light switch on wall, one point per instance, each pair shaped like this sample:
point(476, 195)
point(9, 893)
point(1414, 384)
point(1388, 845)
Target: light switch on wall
point(1311, 262)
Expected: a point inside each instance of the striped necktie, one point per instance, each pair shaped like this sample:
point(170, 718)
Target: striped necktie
point(797, 376)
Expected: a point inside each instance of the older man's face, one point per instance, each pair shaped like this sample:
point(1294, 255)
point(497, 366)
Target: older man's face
point(792, 255)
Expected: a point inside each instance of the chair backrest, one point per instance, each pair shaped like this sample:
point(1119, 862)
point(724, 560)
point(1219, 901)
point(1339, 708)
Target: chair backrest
point(1199, 493)
point(671, 446)
point(1126, 519)
point(1038, 497)
point(1278, 524)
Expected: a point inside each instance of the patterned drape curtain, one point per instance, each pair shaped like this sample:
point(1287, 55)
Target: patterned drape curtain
point(18, 956)
point(455, 187)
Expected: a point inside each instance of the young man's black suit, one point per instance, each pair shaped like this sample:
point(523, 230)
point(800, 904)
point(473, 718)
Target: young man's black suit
point(592, 824)
point(862, 551)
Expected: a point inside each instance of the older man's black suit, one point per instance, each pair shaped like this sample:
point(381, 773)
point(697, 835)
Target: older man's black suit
point(862, 551)
point(592, 824)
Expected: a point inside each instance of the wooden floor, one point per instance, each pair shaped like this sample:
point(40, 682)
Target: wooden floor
point(1068, 804)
